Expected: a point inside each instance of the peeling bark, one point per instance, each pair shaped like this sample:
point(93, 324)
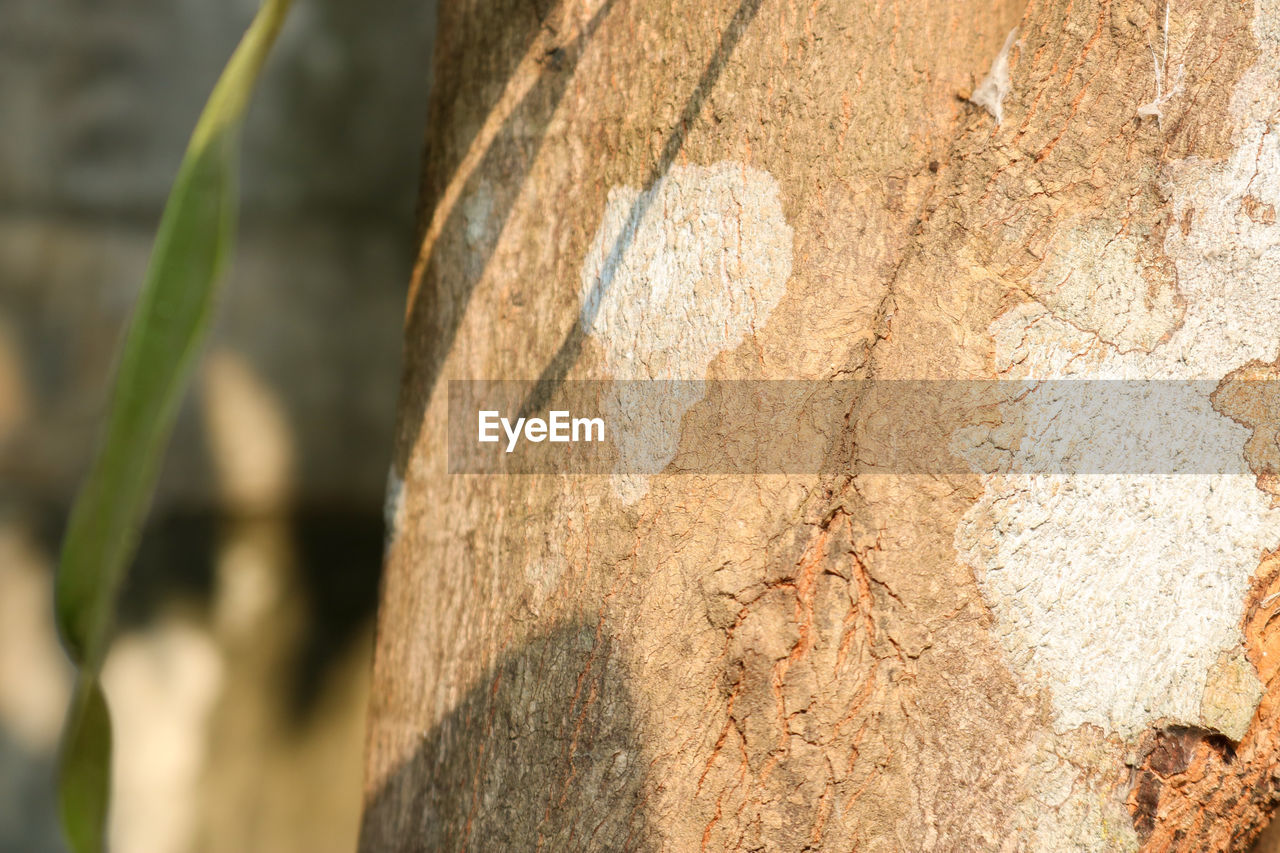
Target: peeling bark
point(854, 660)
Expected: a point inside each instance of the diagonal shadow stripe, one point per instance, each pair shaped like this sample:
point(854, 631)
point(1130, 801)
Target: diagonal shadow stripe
point(435, 312)
point(571, 347)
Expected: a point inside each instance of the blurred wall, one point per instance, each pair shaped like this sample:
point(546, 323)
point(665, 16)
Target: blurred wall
point(238, 678)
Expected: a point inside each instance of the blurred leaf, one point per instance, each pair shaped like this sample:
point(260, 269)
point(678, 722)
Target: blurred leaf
point(192, 246)
point(85, 767)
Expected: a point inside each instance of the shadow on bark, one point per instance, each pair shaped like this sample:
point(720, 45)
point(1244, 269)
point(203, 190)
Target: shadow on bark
point(540, 753)
point(437, 309)
point(571, 347)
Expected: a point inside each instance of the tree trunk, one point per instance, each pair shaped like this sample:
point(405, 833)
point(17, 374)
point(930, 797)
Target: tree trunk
point(849, 656)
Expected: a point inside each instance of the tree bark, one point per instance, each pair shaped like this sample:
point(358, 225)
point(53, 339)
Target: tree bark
point(860, 658)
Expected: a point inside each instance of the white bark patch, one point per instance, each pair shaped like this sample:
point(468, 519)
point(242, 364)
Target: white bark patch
point(1119, 592)
point(392, 507)
point(479, 229)
point(1093, 280)
point(477, 210)
point(1123, 594)
point(676, 275)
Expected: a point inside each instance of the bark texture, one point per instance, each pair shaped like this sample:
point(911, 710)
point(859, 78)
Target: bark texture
point(858, 660)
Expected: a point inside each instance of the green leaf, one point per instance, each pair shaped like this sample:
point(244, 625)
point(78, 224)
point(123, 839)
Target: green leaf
point(192, 246)
point(84, 768)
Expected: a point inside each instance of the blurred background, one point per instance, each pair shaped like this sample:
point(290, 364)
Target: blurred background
point(238, 678)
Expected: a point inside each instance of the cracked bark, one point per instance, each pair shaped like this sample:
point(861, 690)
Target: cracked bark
point(800, 662)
